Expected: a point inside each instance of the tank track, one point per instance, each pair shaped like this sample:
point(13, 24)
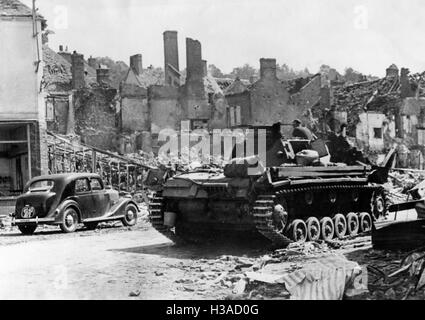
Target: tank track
point(263, 219)
point(156, 216)
point(264, 206)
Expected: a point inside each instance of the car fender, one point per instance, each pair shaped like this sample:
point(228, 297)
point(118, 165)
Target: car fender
point(60, 210)
point(119, 208)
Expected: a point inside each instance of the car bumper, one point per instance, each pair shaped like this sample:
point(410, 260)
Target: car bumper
point(16, 222)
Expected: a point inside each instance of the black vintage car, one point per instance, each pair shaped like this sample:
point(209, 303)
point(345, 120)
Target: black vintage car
point(69, 199)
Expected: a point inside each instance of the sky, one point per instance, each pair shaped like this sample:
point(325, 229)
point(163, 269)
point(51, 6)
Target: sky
point(367, 35)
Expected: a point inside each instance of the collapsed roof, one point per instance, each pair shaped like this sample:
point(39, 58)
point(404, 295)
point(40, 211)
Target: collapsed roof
point(57, 75)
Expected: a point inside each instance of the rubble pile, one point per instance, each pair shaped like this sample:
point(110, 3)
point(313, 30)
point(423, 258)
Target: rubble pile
point(406, 180)
point(309, 271)
point(356, 97)
point(401, 182)
point(394, 275)
point(224, 272)
point(301, 271)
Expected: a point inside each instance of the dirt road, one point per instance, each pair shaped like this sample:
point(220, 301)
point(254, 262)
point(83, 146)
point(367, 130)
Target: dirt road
point(111, 263)
point(114, 262)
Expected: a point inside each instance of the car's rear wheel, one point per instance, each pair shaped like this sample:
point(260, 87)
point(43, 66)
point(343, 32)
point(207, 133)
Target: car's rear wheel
point(70, 221)
point(27, 229)
point(91, 225)
point(130, 215)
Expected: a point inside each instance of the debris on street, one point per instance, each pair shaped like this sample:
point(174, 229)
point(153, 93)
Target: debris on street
point(135, 293)
point(393, 275)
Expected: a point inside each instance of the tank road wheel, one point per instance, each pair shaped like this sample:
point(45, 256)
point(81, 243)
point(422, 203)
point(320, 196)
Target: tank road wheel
point(130, 215)
point(365, 221)
point(27, 229)
point(299, 231)
point(280, 218)
point(378, 206)
point(70, 221)
point(340, 226)
point(327, 229)
point(313, 229)
point(352, 224)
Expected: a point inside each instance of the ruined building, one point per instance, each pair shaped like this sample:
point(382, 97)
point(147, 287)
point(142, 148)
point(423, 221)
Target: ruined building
point(80, 100)
point(270, 100)
point(382, 112)
point(134, 110)
point(149, 106)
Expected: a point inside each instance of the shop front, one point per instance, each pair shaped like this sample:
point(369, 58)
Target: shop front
point(19, 159)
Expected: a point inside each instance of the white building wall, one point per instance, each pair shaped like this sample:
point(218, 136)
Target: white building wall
point(20, 97)
point(367, 128)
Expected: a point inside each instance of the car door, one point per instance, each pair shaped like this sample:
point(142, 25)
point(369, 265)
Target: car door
point(84, 198)
point(99, 196)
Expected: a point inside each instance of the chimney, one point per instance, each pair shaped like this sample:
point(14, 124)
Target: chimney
point(65, 54)
point(392, 71)
point(136, 64)
point(268, 68)
point(78, 72)
point(102, 76)
point(194, 64)
point(205, 67)
point(171, 58)
point(405, 87)
point(93, 63)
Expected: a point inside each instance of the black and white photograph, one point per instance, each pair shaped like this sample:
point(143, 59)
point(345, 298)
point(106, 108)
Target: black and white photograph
point(240, 151)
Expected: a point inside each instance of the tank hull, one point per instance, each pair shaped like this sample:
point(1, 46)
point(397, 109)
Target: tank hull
point(206, 206)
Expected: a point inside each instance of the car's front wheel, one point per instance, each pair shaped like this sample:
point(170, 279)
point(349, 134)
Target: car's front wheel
point(130, 215)
point(27, 230)
point(70, 221)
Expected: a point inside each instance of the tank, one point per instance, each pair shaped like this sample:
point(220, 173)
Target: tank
point(297, 195)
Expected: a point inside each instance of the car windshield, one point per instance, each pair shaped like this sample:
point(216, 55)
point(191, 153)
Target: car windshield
point(41, 185)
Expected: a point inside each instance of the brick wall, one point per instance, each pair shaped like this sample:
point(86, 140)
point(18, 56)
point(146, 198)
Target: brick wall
point(96, 117)
point(165, 108)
